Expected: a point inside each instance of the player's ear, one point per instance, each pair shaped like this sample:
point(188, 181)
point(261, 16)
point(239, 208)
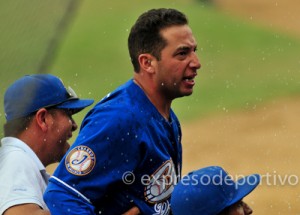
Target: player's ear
point(41, 118)
point(145, 61)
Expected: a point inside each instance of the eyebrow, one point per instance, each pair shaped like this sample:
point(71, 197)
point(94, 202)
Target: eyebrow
point(186, 48)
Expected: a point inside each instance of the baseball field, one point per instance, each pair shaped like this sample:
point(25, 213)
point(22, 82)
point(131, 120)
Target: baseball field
point(243, 114)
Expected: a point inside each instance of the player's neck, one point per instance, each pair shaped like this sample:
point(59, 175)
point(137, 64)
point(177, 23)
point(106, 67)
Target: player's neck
point(162, 105)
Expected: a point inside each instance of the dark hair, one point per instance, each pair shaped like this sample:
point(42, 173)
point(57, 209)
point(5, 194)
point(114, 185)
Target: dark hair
point(14, 127)
point(145, 35)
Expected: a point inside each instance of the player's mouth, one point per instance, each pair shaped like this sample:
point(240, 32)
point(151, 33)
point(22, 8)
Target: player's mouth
point(189, 80)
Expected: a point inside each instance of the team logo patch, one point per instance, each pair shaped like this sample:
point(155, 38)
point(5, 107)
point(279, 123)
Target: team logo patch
point(80, 161)
point(161, 183)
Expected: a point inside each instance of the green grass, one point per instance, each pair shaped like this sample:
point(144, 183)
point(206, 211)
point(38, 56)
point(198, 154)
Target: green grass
point(26, 29)
point(242, 64)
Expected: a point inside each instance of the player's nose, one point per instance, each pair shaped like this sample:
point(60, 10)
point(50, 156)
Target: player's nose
point(195, 62)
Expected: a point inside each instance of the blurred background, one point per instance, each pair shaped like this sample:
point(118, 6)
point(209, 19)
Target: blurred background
point(244, 112)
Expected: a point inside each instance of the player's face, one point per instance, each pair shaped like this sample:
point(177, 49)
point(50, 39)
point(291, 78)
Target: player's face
point(61, 131)
point(239, 208)
point(179, 63)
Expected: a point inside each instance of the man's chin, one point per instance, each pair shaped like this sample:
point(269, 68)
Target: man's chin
point(188, 93)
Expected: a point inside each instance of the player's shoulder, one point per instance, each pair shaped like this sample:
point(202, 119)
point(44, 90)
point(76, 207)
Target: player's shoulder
point(123, 104)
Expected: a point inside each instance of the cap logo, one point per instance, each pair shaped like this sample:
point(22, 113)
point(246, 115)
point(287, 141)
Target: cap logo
point(80, 161)
point(71, 93)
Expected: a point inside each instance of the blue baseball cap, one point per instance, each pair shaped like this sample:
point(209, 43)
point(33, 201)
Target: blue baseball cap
point(210, 190)
point(32, 92)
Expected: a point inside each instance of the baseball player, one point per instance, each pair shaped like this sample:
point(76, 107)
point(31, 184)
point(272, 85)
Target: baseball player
point(128, 152)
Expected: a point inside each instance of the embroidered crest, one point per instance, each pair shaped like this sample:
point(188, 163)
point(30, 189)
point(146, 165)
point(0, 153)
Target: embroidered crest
point(80, 161)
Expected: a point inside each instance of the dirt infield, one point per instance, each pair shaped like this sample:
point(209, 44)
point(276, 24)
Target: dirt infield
point(264, 140)
point(280, 15)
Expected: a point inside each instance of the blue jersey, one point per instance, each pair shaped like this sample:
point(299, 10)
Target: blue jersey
point(126, 154)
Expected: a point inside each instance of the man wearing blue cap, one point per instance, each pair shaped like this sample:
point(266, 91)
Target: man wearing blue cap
point(38, 110)
point(211, 191)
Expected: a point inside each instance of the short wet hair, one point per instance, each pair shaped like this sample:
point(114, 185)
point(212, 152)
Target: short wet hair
point(145, 34)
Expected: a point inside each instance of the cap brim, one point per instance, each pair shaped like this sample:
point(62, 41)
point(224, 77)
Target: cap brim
point(76, 105)
point(245, 186)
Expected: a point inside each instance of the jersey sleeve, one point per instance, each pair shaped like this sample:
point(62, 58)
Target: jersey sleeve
point(106, 148)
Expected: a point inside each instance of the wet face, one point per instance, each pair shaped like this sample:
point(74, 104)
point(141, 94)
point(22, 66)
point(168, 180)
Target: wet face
point(60, 132)
point(177, 68)
point(239, 208)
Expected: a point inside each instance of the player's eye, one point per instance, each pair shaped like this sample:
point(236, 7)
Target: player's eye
point(182, 53)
